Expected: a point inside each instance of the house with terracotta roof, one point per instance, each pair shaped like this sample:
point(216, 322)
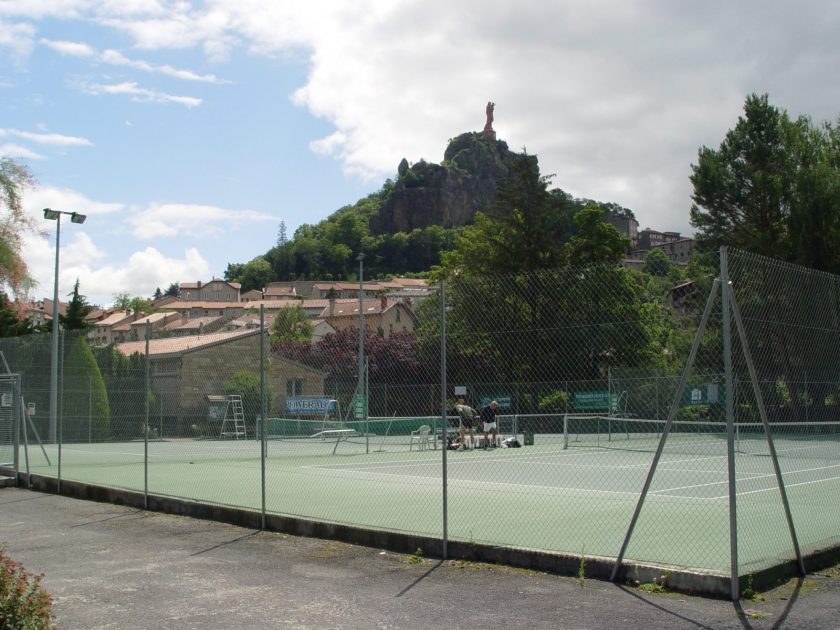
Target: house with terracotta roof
point(185, 370)
point(217, 290)
point(381, 315)
point(198, 326)
point(40, 312)
point(102, 333)
point(136, 329)
point(344, 289)
point(279, 293)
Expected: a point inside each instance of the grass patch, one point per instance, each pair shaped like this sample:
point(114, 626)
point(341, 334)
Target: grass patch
point(416, 557)
point(659, 585)
point(581, 572)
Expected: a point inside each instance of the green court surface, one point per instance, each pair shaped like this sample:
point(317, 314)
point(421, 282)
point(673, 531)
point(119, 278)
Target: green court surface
point(543, 496)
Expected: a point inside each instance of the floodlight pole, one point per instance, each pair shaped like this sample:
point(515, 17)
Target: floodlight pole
point(75, 217)
point(54, 354)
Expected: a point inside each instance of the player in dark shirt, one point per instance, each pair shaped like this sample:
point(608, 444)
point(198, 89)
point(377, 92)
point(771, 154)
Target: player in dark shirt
point(488, 420)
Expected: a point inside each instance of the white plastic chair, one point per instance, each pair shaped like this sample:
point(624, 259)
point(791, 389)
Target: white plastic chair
point(421, 436)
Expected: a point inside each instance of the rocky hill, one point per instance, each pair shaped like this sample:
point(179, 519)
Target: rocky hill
point(446, 194)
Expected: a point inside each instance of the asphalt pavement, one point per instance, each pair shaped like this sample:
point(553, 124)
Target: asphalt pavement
point(110, 566)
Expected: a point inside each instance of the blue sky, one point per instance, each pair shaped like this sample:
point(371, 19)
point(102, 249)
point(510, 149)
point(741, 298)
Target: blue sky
point(187, 131)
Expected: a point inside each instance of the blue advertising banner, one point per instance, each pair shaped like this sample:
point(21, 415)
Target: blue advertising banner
point(314, 405)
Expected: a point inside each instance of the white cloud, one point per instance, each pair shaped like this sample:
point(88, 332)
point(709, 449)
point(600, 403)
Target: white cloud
point(614, 98)
point(40, 197)
point(171, 220)
point(331, 145)
point(55, 139)
point(72, 49)
point(143, 272)
point(138, 273)
point(12, 150)
point(19, 38)
point(116, 58)
point(101, 273)
point(140, 94)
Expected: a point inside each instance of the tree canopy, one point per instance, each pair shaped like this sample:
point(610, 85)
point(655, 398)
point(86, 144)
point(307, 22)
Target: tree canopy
point(14, 224)
point(772, 188)
point(77, 310)
point(136, 304)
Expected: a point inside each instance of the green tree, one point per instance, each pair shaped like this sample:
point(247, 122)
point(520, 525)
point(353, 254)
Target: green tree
point(254, 274)
point(595, 241)
point(77, 310)
point(523, 231)
point(125, 383)
point(135, 304)
point(772, 188)
point(743, 190)
point(814, 225)
point(14, 224)
point(172, 290)
point(657, 263)
point(291, 324)
point(85, 410)
point(11, 323)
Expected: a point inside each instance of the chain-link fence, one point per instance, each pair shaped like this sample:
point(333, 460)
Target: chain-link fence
point(630, 415)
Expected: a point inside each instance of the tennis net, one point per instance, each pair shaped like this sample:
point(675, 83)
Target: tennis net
point(790, 439)
point(395, 433)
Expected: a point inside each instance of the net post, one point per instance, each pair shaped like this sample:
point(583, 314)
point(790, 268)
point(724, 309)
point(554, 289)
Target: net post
point(565, 431)
point(671, 416)
point(764, 421)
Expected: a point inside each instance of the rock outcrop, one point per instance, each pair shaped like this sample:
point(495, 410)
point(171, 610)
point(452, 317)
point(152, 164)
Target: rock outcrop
point(447, 194)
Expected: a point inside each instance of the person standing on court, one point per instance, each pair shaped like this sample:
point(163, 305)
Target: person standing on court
point(488, 421)
point(467, 416)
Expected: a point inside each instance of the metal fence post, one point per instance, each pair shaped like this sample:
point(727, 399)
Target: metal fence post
point(262, 414)
point(730, 423)
point(443, 414)
point(146, 424)
point(60, 398)
point(759, 399)
point(672, 414)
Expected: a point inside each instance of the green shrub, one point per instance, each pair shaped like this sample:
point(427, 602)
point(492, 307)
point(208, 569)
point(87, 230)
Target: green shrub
point(24, 604)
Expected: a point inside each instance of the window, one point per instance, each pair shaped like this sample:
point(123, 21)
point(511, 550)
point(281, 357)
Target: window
point(398, 314)
point(294, 387)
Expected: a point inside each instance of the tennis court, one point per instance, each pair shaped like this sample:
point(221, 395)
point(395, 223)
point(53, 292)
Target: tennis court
point(572, 490)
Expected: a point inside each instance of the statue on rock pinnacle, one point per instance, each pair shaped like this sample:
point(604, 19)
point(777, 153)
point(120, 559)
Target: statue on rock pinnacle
point(488, 127)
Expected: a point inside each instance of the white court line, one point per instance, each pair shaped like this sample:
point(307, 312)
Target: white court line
point(764, 476)
point(378, 471)
point(788, 485)
point(92, 453)
point(486, 485)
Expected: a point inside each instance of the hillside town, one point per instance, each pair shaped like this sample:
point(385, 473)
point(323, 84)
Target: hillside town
point(220, 306)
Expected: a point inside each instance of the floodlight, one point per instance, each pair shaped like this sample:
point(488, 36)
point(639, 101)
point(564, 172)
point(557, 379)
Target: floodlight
point(78, 218)
point(52, 215)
